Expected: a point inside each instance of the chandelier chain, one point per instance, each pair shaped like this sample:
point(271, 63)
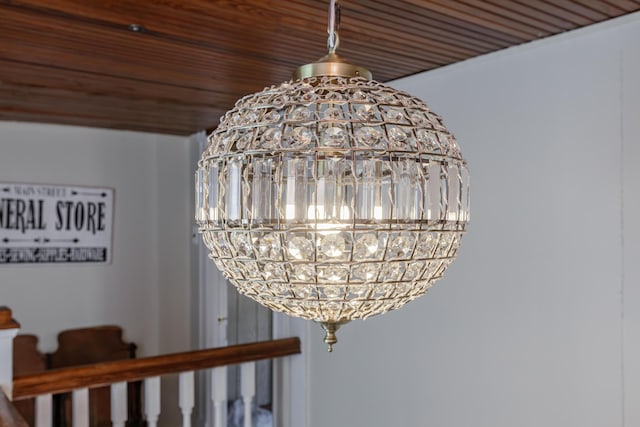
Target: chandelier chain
point(334, 25)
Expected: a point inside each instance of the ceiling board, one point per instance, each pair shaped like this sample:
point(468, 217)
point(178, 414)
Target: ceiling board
point(79, 62)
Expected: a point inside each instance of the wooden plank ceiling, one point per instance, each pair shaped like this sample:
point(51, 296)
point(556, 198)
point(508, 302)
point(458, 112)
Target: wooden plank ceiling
point(175, 66)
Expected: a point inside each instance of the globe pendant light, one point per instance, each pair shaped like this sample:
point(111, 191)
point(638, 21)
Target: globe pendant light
point(332, 197)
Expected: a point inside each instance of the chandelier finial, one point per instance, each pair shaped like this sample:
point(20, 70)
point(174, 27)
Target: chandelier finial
point(330, 329)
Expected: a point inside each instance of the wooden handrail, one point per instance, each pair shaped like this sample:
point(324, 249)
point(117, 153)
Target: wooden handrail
point(9, 416)
point(67, 379)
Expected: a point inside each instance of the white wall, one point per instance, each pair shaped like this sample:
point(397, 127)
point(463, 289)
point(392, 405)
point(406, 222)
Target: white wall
point(630, 290)
point(146, 289)
point(537, 322)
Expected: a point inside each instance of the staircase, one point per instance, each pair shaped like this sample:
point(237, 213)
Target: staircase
point(78, 380)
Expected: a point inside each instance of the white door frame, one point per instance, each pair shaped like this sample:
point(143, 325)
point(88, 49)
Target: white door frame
point(290, 384)
point(290, 391)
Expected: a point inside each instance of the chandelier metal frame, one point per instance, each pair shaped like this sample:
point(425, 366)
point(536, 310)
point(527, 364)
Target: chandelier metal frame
point(332, 197)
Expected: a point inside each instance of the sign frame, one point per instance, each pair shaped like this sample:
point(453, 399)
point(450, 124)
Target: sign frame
point(56, 224)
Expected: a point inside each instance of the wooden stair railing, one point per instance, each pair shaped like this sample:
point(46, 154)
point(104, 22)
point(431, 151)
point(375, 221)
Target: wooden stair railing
point(116, 374)
point(100, 374)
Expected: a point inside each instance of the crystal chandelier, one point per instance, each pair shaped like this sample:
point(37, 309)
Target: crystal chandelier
point(332, 197)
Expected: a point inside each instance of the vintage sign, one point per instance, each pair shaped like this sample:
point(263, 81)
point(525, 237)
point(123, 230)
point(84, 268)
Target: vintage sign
point(42, 223)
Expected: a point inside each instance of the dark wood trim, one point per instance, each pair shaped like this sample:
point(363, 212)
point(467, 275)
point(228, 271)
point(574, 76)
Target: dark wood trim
point(9, 416)
point(6, 319)
point(64, 380)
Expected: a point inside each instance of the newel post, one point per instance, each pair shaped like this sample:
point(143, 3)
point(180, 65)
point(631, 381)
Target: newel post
point(8, 330)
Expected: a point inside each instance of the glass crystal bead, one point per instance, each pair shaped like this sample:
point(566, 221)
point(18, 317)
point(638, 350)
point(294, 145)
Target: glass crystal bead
point(233, 268)
point(332, 291)
point(358, 95)
point(222, 246)
point(356, 305)
point(333, 246)
point(366, 112)
point(425, 245)
point(264, 287)
point(299, 137)
point(455, 244)
point(250, 117)
point(244, 140)
point(273, 271)
point(309, 97)
point(279, 101)
point(269, 246)
point(292, 307)
point(388, 98)
point(273, 116)
point(300, 114)
point(252, 270)
point(365, 272)
point(310, 307)
point(332, 308)
point(427, 139)
point(280, 288)
point(332, 114)
point(403, 288)
point(334, 96)
point(394, 115)
point(233, 119)
point(365, 247)
point(401, 246)
point(397, 137)
point(300, 248)
point(418, 119)
point(305, 291)
point(433, 269)
point(368, 136)
point(212, 149)
point(444, 140)
point(411, 102)
point(382, 290)
point(444, 244)
point(225, 142)
point(333, 274)
point(243, 245)
point(303, 272)
point(392, 272)
point(414, 270)
point(334, 136)
point(388, 288)
point(358, 290)
point(271, 138)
